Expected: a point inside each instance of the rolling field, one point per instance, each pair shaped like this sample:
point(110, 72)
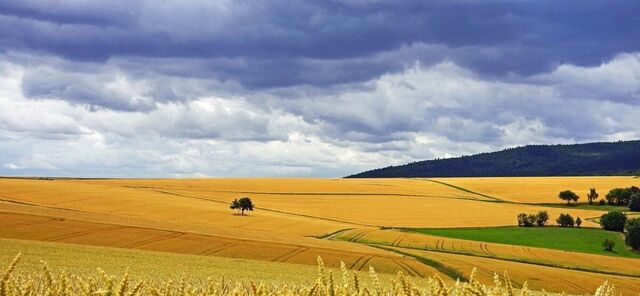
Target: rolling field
point(154, 266)
point(377, 200)
point(20, 226)
point(541, 189)
point(294, 221)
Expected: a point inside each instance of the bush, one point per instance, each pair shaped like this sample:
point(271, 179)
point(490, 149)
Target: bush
point(632, 237)
point(578, 222)
point(634, 203)
point(613, 221)
point(541, 218)
point(565, 220)
point(608, 245)
point(602, 202)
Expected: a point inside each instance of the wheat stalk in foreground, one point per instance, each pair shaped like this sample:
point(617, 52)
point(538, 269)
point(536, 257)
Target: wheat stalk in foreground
point(64, 283)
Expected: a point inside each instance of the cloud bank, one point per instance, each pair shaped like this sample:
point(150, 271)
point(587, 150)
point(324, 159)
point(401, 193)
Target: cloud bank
point(294, 88)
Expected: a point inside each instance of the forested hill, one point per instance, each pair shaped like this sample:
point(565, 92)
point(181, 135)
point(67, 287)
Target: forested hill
point(618, 158)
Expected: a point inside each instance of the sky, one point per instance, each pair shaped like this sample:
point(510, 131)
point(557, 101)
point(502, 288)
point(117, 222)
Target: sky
point(197, 88)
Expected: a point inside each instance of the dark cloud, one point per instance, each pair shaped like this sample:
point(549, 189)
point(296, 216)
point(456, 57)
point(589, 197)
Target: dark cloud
point(283, 43)
point(324, 88)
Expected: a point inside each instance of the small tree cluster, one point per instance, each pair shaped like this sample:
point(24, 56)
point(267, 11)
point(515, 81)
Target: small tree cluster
point(613, 221)
point(565, 220)
point(530, 220)
point(621, 196)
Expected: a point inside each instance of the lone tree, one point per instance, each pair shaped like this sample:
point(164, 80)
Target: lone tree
point(632, 237)
point(613, 221)
point(568, 196)
point(592, 196)
point(242, 204)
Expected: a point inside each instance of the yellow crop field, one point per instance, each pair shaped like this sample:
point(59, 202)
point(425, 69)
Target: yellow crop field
point(537, 277)
point(416, 204)
point(574, 260)
point(156, 266)
point(48, 281)
point(540, 189)
point(295, 220)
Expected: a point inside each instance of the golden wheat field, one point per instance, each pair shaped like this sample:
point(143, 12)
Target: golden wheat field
point(342, 283)
point(541, 189)
point(297, 220)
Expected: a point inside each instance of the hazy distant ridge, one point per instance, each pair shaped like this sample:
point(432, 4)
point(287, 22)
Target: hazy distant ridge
point(617, 158)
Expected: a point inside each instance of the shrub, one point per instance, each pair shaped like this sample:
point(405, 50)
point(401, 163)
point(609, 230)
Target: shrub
point(578, 222)
point(613, 221)
point(632, 237)
point(541, 218)
point(608, 245)
point(634, 203)
point(602, 202)
point(565, 220)
point(568, 196)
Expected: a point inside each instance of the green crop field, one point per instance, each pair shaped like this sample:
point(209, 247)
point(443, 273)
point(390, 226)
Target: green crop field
point(587, 240)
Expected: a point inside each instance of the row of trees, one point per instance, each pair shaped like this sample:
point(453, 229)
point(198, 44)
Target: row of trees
point(565, 220)
point(530, 220)
point(628, 197)
point(541, 218)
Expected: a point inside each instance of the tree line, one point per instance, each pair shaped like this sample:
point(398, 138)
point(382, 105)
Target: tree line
point(626, 197)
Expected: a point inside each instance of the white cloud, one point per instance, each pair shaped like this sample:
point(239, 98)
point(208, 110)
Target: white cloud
point(423, 112)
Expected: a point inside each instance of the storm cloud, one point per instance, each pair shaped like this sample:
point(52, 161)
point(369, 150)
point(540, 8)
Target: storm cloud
point(318, 88)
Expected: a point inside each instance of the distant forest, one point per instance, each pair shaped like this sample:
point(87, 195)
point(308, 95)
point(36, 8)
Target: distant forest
point(617, 158)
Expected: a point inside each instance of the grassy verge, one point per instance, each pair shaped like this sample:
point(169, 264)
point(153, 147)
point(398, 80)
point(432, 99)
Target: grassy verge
point(586, 240)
